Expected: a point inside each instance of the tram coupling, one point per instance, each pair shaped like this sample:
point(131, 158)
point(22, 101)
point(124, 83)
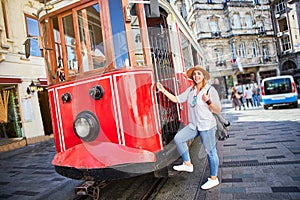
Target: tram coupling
point(90, 188)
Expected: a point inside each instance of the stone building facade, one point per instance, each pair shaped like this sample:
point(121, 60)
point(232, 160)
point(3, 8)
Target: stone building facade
point(238, 37)
point(24, 111)
point(286, 23)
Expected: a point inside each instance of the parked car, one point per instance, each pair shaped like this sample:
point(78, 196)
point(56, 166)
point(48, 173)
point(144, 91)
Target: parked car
point(279, 90)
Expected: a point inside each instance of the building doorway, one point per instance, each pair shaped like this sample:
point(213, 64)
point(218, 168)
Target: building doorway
point(45, 111)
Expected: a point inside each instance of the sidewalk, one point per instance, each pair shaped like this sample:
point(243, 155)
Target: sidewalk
point(261, 159)
point(8, 144)
point(27, 173)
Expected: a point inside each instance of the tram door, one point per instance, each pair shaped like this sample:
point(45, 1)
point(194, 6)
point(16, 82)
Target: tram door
point(164, 73)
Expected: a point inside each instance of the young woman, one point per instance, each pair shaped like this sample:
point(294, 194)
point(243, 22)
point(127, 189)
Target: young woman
point(201, 121)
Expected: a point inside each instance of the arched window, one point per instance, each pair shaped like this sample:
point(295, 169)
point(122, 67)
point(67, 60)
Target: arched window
point(288, 66)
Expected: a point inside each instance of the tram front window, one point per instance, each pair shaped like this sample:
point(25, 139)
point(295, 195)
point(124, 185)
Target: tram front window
point(70, 43)
point(91, 39)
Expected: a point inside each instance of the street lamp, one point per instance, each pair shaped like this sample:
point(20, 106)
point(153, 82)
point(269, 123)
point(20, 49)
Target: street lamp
point(32, 88)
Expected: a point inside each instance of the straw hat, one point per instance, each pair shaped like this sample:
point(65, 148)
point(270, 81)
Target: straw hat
point(190, 72)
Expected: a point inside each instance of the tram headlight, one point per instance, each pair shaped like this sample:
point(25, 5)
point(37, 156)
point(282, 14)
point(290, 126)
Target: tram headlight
point(86, 126)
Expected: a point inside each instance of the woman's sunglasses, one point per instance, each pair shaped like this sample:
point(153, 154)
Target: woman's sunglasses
point(194, 103)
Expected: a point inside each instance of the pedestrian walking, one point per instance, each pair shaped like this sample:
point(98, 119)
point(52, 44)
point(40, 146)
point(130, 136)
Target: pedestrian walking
point(256, 95)
point(239, 90)
point(248, 97)
point(201, 107)
point(235, 98)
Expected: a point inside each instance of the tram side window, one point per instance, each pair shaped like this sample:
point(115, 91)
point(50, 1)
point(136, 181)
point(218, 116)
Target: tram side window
point(138, 47)
point(91, 38)
point(59, 60)
point(69, 42)
point(58, 49)
point(186, 52)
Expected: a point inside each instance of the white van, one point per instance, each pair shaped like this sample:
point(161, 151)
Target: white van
point(279, 90)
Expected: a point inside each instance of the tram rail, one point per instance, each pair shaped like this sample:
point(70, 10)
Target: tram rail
point(147, 190)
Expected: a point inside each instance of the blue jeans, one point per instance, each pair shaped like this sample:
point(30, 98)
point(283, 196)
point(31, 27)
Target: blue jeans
point(256, 100)
point(208, 139)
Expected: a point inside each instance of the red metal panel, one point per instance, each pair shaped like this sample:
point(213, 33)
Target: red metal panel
point(136, 101)
point(101, 155)
point(82, 101)
point(54, 114)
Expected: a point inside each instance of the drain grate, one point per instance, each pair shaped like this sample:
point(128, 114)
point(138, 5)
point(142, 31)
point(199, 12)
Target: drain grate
point(279, 141)
point(26, 193)
point(252, 163)
point(285, 189)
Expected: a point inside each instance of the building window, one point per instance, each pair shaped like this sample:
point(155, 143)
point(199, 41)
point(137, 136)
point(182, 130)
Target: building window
point(236, 21)
point(248, 20)
point(256, 1)
point(183, 10)
point(285, 43)
point(254, 50)
point(242, 50)
point(261, 29)
point(219, 57)
point(232, 49)
point(33, 33)
point(246, 78)
point(5, 18)
point(214, 26)
point(265, 52)
point(209, 1)
point(280, 7)
point(282, 25)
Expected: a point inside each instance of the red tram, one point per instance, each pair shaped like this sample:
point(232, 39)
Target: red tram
point(103, 58)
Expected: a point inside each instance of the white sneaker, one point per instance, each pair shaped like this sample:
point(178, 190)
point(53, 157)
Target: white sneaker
point(210, 183)
point(183, 167)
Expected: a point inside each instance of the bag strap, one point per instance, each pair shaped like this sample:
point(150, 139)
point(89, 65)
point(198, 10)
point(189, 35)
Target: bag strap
point(208, 90)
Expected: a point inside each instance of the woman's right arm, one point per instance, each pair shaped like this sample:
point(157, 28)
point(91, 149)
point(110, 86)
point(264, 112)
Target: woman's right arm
point(170, 96)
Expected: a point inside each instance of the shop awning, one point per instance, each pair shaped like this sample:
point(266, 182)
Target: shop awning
point(43, 81)
point(10, 80)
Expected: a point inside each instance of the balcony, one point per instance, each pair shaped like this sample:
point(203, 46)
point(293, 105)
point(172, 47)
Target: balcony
point(262, 32)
